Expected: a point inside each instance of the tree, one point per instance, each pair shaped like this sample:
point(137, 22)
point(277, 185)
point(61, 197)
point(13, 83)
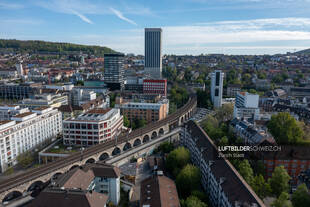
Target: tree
point(279, 181)
point(223, 141)
point(225, 113)
point(177, 159)
point(285, 128)
point(301, 197)
point(261, 187)
point(246, 171)
point(126, 121)
point(282, 201)
point(25, 159)
point(165, 147)
point(188, 180)
point(193, 201)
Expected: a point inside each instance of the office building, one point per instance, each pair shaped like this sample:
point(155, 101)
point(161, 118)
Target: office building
point(93, 127)
point(246, 106)
point(155, 87)
point(44, 99)
point(217, 88)
point(81, 96)
point(114, 71)
point(19, 91)
point(25, 131)
point(153, 53)
point(223, 184)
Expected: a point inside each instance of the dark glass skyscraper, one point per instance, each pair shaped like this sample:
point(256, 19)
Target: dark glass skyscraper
point(153, 53)
point(114, 71)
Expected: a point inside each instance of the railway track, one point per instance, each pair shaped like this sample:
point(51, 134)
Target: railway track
point(60, 163)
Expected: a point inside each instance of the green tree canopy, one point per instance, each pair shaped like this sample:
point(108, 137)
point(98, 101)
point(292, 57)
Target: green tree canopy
point(25, 159)
point(193, 201)
point(301, 197)
point(177, 159)
point(279, 182)
point(282, 201)
point(246, 171)
point(285, 128)
point(188, 180)
point(225, 113)
point(126, 121)
point(261, 187)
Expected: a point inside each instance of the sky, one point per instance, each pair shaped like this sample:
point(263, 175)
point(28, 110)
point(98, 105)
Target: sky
point(189, 26)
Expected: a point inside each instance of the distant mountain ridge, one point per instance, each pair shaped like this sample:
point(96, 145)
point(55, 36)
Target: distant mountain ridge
point(34, 46)
point(306, 51)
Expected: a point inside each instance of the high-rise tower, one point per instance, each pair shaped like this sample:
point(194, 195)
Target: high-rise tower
point(114, 71)
point(153, 53)
point(217, 88)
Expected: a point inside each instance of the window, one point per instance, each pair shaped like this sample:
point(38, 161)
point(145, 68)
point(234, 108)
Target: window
point(216, 92)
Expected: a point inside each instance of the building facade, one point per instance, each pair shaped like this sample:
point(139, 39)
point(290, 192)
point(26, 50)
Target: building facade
point(114, 71)
point(153, 52)
point(19, 91)
point(150, 112)
point(26, 131)
point(217, 78)
point(233, 89)
point(246, 106)
point(155, 87)
point(93, 127)
point(218, 176)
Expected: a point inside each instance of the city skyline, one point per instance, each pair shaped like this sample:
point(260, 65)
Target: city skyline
point(189, 26)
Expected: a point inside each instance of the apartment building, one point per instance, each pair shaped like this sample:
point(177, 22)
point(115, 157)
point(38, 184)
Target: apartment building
point(249, 133)
point(223, 184)
point(25, 131)
point(93, 184)
point(150, 112)
point(93, 127)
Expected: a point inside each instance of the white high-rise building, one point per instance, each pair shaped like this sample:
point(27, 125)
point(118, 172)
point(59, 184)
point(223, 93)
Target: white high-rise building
point(153, 53)
point(26, 131)
point(19, 68)
point(217, 78)
point(246, 106)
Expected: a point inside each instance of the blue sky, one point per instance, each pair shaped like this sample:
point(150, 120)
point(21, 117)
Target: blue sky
point(189, 26)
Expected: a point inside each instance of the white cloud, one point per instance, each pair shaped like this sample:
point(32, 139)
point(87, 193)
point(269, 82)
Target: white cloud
point(84, 18)
point(121, 16)
point(76, 8)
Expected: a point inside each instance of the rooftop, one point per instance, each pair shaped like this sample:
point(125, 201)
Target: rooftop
point(23, 115)
point(52, 197)
point(235, 187)
point(159, 191)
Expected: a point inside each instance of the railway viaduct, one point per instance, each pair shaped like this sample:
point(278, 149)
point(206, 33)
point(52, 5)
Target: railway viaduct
point(31, 179)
